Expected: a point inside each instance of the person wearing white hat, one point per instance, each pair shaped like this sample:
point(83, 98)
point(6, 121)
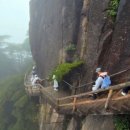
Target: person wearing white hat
point(55, 84)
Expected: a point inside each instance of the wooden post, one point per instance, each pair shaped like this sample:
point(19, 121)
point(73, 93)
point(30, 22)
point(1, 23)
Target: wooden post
point(57, 105)
point(74, 104)
point(108, 98)
point(58, 102)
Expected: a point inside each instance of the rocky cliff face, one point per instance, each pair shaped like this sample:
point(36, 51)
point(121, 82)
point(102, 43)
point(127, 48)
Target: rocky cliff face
point(53, 24)
point(83, 22)
point(99, 42)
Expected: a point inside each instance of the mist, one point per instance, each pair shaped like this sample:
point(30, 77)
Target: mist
point(14, 21)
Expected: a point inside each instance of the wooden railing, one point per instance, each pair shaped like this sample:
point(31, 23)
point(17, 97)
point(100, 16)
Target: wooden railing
point(87, 94)
point(74, 100)
point(84, 86)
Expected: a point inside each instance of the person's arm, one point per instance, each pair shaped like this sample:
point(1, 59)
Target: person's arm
point(98, 83)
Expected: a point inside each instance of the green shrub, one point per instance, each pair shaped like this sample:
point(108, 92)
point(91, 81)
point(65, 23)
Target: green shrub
point(63, 69)
point(122, 122)
point(71, 47)
point(113, 7)
point(17, 111)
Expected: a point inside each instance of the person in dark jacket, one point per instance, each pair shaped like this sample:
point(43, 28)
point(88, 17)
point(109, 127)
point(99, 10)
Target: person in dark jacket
point(125, 91)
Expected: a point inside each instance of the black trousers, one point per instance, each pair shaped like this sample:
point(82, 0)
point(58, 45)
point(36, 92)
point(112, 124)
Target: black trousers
point(125, 90)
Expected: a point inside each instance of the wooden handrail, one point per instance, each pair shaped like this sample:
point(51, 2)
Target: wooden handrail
point(59, 102)
point(112, 75)
point(68, 84)
point(115, 87)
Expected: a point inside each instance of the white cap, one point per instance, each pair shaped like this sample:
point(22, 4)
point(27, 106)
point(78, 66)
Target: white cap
point(34, 67)
point(98, 70)
point(54, 77)
point(36, 76)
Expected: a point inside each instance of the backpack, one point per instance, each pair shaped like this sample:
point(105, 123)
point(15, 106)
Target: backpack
point(106, 82)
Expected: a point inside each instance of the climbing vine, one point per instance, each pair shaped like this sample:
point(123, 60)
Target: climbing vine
point(122, 122)
point(63, 69)
point(113, 8)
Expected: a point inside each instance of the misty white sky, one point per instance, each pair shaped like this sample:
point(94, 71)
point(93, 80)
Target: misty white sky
point(14, 19)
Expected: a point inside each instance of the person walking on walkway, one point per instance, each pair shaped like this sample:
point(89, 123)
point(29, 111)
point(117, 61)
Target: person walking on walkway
point(55, 84)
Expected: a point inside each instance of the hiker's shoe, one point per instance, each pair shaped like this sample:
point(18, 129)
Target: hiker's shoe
point(55, 89)
point(93, 96)
point(123, 93)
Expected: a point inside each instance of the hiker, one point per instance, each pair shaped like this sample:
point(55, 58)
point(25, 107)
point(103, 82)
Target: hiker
point(33, 73)
point(125, 91)
point(102, 81)
point(36, 80)
point(34, 70)
point(55, 85)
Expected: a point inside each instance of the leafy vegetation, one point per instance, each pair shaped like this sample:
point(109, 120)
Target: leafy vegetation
point(17, 111)
point(71, 47)
point(113, 7)
point(122, 122)
point(63, 69)
point(14, 57)
point(4, 37)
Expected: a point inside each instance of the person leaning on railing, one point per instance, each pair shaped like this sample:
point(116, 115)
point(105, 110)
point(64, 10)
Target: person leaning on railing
point(99, 80)
point(36, 80)
point(102, 81)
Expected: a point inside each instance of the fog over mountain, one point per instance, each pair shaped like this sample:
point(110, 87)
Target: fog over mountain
point(14, 17)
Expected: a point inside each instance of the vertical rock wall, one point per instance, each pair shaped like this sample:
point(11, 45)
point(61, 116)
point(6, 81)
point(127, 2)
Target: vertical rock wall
point(93, 20)
point(52, 25)
point(117, 56)
point(98, 123)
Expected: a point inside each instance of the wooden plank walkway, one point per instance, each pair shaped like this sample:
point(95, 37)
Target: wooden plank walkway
point(82, 103)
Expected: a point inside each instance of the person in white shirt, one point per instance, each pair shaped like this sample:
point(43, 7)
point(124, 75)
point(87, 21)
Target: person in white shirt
point(33, 73)
point(55, 85)
point(36, 81)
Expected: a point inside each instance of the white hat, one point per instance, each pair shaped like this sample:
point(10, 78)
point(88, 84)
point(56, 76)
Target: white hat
point(98, 70)
point(35, 75)
point(54, 77)
point(34, 67)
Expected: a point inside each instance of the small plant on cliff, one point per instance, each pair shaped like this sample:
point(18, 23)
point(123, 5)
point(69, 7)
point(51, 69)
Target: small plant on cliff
point(70, 48)
point(113, 8)
point(122, 122)
point(63, 69)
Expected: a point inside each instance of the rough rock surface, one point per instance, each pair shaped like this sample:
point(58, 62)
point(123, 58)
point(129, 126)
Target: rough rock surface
point(98, 123)
point(95, 16)
point(117, 57)
point(53, 23)
point(72, 124)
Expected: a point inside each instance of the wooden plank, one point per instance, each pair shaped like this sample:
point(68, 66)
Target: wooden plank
point(94, 101)
point(108, 98)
